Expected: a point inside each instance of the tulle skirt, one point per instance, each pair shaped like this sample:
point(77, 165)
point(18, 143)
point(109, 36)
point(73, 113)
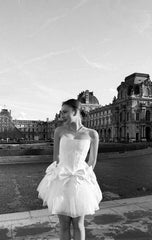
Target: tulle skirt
point(71, 193)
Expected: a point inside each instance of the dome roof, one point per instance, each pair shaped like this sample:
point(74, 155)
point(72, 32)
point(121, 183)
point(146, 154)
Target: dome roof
point(87, 97)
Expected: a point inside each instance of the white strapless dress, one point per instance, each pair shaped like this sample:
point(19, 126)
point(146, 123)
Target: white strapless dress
point(71, 188)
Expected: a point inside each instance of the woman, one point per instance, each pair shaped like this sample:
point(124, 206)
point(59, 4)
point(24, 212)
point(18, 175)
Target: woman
point(70, 188)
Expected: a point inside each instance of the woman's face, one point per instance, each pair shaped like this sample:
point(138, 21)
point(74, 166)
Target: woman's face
point(67, 113)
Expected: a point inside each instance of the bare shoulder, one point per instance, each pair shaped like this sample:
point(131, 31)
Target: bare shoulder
point(93, 134)
point(59, 130)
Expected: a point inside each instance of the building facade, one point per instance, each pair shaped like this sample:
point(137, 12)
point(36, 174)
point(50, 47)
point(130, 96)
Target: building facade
point(132, 110)
point(35, 129)
point(101, 120)
point(129, 116)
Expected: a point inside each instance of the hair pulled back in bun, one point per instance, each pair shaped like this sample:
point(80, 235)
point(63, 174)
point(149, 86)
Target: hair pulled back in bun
point(75, 104)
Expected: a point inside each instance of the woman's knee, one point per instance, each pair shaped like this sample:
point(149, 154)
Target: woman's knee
point(78, 223)
point(65, 221)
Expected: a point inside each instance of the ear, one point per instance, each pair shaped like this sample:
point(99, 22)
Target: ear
point(75, 112)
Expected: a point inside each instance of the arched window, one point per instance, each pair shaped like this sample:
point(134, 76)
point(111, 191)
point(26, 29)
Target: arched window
point(147, 115)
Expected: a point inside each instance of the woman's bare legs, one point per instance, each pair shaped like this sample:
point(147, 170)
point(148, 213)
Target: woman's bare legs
point(78, 228)
point(65, 223)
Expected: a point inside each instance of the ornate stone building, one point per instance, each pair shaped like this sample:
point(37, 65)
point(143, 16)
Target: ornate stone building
point(88, 101)
point(129, 116)
point(101, 119)
point(132, 110)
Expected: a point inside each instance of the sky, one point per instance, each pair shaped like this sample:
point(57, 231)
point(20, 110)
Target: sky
point(51, 50)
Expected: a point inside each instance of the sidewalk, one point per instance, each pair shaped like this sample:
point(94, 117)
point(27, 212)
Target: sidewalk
point(126, 219)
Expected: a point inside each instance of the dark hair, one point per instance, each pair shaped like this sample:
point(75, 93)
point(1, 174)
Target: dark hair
point(75, 104)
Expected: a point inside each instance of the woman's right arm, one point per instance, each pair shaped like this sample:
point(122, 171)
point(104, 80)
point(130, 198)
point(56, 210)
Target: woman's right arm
point(56, 145)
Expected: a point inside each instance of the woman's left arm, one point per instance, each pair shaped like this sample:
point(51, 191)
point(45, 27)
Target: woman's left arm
point(93, 148)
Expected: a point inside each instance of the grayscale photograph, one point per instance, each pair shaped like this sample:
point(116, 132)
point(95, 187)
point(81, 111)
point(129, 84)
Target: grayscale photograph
point(75, 120)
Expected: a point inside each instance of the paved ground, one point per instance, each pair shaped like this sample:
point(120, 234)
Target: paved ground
point(125, 219)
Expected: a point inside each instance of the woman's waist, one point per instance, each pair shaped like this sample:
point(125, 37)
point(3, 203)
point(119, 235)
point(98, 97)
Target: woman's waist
point(73, 163)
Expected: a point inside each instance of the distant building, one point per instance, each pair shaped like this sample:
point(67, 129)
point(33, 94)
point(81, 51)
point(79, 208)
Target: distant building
point(34, 129)
point(7, 128)
point(101, 119)
point(14, 129)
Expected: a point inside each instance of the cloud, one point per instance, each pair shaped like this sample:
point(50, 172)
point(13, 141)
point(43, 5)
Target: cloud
point(19, 66)
point(105, 40)
point(46, 91)
point(97, 65)
point(47, 23)
point(79, 5)
point(54, 19)
point(144, 23)
point(48, 55)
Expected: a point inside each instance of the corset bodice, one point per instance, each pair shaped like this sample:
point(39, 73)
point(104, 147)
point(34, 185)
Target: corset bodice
point(73, 152)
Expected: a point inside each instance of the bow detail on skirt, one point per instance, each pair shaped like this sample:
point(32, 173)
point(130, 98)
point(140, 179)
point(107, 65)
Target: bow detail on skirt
point(65, 174)
point(78, 175)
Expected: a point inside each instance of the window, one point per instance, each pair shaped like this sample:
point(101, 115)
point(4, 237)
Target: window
point(147, 115)
point(137, 116)
point(136, 89)
point(129, 90)
point(120, 116)
point(127, 116)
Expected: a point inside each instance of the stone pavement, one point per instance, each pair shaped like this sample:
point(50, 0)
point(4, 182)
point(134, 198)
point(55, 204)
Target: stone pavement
point(125, 219)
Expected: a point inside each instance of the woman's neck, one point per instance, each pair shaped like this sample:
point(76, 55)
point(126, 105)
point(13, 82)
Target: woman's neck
point(75, 125)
